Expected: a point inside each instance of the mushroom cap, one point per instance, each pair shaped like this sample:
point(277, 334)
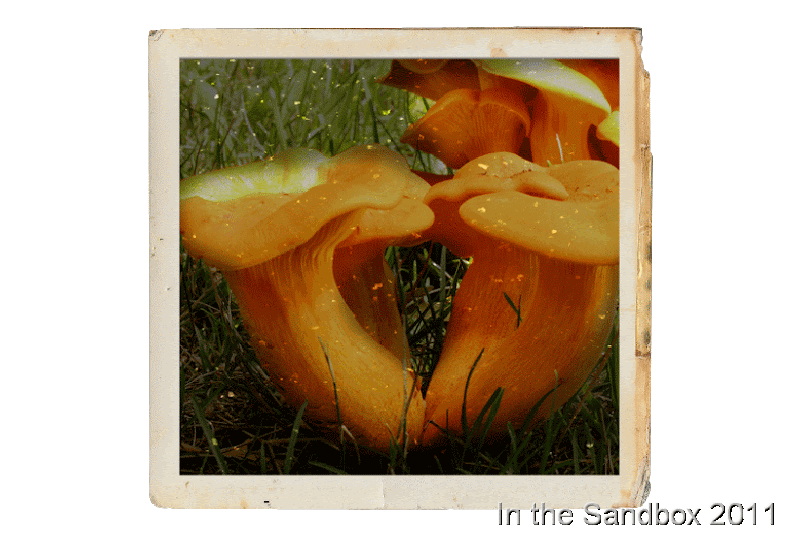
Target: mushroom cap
point(496, 172)
point(584, 228)
point(239, 217)
point(467, 123)
point(400, 225)
point(550, 76)
point(487, 174)
point(291, 172)
point(604, 72)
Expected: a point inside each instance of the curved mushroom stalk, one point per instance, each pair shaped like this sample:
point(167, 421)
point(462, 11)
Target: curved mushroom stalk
point(537, 324)
point(272, 228)
point(368, 286)
point(538, 300)
point(315, 349)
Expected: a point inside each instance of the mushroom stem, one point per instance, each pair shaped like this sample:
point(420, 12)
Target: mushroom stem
point(303, 329)
point(564, 315)
point(567, 104)
point(368, 286)
point(539, 297)
point(558, 134)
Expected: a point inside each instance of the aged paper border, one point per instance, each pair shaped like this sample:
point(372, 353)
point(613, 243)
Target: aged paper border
point(170, 489)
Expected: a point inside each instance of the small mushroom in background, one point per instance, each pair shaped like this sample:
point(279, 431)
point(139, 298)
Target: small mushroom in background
point(272, 228)
point(556, 260)
point(566, 106)
point(467, 123)
point(567, 99)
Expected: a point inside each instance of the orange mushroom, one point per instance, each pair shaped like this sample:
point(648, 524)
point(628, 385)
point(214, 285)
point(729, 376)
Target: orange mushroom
point(556, 260)
point(465, 124)
point(272, 228)
point(494, 172)
point(567, 105)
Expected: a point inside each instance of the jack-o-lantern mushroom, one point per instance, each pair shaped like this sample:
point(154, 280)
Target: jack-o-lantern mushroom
point(568, 104)
point(556, 260)
point(272, 229)
point(467, 123)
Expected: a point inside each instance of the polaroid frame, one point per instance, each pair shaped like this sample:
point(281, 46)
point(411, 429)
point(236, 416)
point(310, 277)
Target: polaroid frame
point(628, 489)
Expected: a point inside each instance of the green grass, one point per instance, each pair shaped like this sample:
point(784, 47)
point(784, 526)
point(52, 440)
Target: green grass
point(232, 420)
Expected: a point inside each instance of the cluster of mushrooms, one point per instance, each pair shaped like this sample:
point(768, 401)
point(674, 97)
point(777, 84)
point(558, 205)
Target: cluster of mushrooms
point(534, 202)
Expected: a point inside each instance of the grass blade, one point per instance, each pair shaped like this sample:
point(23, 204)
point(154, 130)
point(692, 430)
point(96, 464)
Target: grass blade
point(513, 459)
point(375, 136)
point(287, 463)
point(327, 467)
point(333, 380)
point(464, 427)
point(209, 434)
point(490, 412)
point(279, 120)
point(516, 308)
point(480, 427)
point(549, 433)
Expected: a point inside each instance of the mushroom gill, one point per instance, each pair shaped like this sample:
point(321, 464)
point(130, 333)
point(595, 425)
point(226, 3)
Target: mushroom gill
point(466, 123)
